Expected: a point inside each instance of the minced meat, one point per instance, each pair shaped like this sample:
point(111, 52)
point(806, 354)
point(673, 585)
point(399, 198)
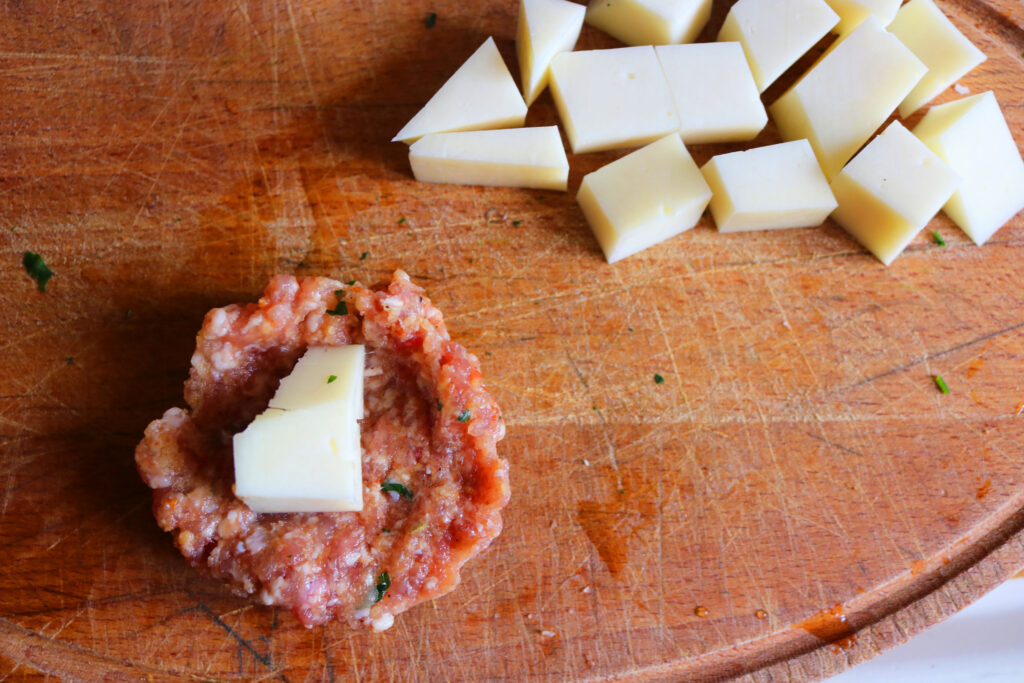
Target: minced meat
point(429, 424)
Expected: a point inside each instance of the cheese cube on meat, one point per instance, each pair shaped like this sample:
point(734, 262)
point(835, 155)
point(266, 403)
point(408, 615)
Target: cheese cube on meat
point(846, 96)
point(612, 98)
point(779, 186)
point(714, 92)
point(776, 34)
point(480, 95)
point(971, 136)
point(546, 27)
point(933, 38)
point(650, 22)
point(307, 385)
point(853, 12)
point(303, 453)
point(643, 198)
point(516, 157)
point(890, 191)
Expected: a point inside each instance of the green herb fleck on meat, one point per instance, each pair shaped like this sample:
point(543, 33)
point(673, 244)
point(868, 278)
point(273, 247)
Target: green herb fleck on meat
point(341, 308)
point(464, 416)
point(394, 486)
point(383, 584)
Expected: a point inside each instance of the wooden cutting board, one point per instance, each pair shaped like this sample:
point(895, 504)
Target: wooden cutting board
point(795, 478)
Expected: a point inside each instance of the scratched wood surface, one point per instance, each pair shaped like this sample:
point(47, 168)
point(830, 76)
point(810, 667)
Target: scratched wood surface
point(797, 476)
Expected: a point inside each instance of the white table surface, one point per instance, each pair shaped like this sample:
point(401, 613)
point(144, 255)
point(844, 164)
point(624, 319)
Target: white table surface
point(984, 642)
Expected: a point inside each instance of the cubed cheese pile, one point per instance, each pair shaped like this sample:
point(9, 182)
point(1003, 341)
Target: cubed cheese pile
point(662, 91)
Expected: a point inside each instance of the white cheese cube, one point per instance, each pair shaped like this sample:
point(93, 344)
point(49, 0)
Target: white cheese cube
point(778, 186)
point(650, 22)
point(309, 384)
point(846, 96)
point(971, 135)
point(480, 95)
point(546, 27)
point(714, 92)
point(643, 198)
point(776, 34)
point(890, 190)
point(612, 98)
point(853, 12)
point(933, 38)
point(306, 457)
point(516, 157)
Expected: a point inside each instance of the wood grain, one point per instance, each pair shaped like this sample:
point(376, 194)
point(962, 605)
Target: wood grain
point(797, 479)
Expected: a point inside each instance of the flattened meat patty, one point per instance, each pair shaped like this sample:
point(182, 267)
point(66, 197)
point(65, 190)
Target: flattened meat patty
point(428, 424)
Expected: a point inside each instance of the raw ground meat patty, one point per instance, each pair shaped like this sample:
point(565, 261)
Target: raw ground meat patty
point(428, 424)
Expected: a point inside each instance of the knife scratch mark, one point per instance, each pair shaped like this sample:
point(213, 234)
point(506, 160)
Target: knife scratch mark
point(266, 660)
point(933, 356)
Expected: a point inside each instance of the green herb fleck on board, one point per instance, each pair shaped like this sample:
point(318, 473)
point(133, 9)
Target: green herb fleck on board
point(364, 255)
point(37, 269)
point(127, 313)
point(383, 584)
point(938, 238)
point(658, 379)
point(70, 360)
point(332, 378)
point(517, 223)
point(941, 384)
point(431, 20)
point(464, 416)
point(395, 487)
point(401, 220)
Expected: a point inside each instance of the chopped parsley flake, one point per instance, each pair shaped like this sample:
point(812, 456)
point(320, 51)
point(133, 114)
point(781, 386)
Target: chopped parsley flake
point(938, 238)
point(383, 584)
point(395, 487)
point(941, 384)
point(431, 20)
point(70, 360)
point(341, 308)
point(350, 283)
point(658, 379)
point(364, 255)
point(37, 269)
point(440, 406)
point(332, 378)
point(517, 223)
point(401, 220)
point(464, 416)
point(127, 313)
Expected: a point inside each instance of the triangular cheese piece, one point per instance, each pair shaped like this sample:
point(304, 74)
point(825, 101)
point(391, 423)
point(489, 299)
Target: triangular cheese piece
point(546, 27)
point(480, 95)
